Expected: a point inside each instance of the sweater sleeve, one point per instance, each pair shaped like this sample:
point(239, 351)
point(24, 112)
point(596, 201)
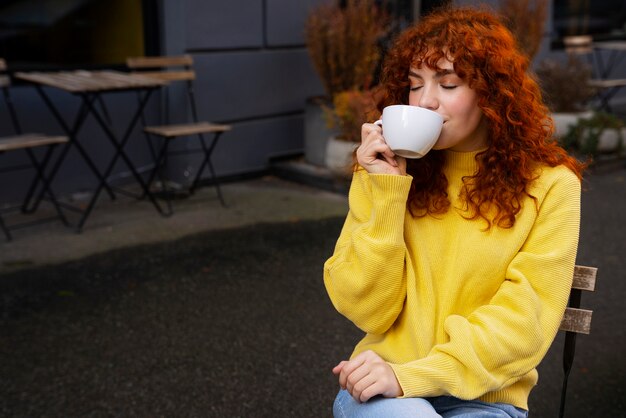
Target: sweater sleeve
point(500, 342)
point(365, 277)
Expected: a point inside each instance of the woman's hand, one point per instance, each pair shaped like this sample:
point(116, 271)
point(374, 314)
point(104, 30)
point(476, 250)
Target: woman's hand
point(366, 376)
point(375, 156)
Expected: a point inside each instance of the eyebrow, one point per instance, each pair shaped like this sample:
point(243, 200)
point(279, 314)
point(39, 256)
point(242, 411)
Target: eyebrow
point(438, 74)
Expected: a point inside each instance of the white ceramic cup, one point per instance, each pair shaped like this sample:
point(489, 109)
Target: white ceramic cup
point(410, 131)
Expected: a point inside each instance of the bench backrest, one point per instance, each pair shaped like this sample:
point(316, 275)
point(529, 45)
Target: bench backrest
point(575, 321)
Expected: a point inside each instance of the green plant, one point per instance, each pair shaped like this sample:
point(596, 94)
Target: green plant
point(565, 86)
point(343, 43)
point(585, 135)
point(351, 109)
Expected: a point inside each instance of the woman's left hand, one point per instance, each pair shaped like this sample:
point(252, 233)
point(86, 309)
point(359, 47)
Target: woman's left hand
point(366, 376)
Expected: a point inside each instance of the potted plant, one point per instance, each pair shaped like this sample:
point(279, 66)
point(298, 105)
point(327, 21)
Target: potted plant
point(343, 43)
point(351, 109)
point(601, 133)
point(566, 91)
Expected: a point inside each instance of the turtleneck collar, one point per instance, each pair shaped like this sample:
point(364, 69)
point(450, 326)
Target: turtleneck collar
point(461, 163)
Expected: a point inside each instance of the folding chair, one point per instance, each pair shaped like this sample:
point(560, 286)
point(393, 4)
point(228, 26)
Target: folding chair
point(27, 142)
point(179, 68)
point(582, 45)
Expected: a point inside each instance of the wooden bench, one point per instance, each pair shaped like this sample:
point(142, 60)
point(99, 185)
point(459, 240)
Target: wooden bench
point(575, 321)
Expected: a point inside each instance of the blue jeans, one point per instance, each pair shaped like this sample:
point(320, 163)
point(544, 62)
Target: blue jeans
point(440, 407)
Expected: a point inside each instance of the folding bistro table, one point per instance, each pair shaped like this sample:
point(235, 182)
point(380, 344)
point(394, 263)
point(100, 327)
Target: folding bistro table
point(90, 86)
point(617, 52)
point(607, 84)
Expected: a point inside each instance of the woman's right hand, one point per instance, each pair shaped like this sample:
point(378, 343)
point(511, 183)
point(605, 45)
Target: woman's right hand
point(375, 156)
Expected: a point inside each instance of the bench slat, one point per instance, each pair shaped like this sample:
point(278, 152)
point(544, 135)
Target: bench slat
point(29, 141)
point(576, 320)
point(606, 84)
point(169, 131)
point(585, 278)
point(168, 75)
point(154, 62)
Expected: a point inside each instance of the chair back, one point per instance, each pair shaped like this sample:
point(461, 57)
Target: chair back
point(164, 68)
point(575, 321)
point(168, 68)
point(578, 45)
point(5, 83)
point(4, 79)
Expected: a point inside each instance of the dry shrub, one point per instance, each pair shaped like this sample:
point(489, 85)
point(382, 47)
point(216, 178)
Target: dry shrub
point(344, 43)
point(526, 19)
point(351, 109)
point(565, 85)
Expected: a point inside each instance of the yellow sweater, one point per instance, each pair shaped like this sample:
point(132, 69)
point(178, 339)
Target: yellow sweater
point(454, 309)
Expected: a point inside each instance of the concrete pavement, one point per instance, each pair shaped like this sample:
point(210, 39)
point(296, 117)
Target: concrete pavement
point(126, 222)
point(222, 312)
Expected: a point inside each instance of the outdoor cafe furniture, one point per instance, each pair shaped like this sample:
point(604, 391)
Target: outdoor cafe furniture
point(27, 142)
point(608, 84)
point(90, 87)
point(180, 69)
point(605, 81)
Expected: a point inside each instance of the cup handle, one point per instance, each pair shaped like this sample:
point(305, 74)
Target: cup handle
point(379, 122)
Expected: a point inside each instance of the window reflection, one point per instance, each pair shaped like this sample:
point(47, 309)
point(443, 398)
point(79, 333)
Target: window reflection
point(603, 20)
point(71, 33)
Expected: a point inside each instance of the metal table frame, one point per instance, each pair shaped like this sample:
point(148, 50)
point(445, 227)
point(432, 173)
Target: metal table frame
point(90, 86)
point(608, 85)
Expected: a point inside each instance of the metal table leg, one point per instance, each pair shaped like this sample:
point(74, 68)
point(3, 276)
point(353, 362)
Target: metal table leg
point(88, 99)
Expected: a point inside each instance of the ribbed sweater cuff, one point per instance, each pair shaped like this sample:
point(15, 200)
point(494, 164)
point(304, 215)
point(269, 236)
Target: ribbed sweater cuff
point(389, 198)
point(420, 381)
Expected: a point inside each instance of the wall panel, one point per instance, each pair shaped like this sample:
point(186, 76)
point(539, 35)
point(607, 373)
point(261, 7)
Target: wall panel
point(286, 20)
point(239, 85)
point(223, 24)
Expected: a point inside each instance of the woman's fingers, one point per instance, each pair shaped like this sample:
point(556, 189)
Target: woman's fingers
point(360, 389)
point(368, 128)
point(368, 375)
point(374, 154)
point(337, 369)
point(354, 378)
point(348, 368)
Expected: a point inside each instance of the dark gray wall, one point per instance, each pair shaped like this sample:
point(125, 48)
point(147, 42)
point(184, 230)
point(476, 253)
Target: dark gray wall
point(253, 72)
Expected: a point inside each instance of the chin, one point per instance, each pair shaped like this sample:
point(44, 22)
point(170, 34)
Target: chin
point(439, 145)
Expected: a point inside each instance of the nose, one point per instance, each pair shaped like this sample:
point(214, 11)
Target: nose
point(429, 99)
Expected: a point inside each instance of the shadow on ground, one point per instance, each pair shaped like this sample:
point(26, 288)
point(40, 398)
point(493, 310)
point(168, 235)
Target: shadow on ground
point(237, 323)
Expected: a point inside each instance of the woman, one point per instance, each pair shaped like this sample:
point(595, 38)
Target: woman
point(457, 266)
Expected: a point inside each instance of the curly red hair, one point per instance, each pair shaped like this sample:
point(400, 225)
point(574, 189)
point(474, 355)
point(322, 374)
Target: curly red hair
point(485, 54)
